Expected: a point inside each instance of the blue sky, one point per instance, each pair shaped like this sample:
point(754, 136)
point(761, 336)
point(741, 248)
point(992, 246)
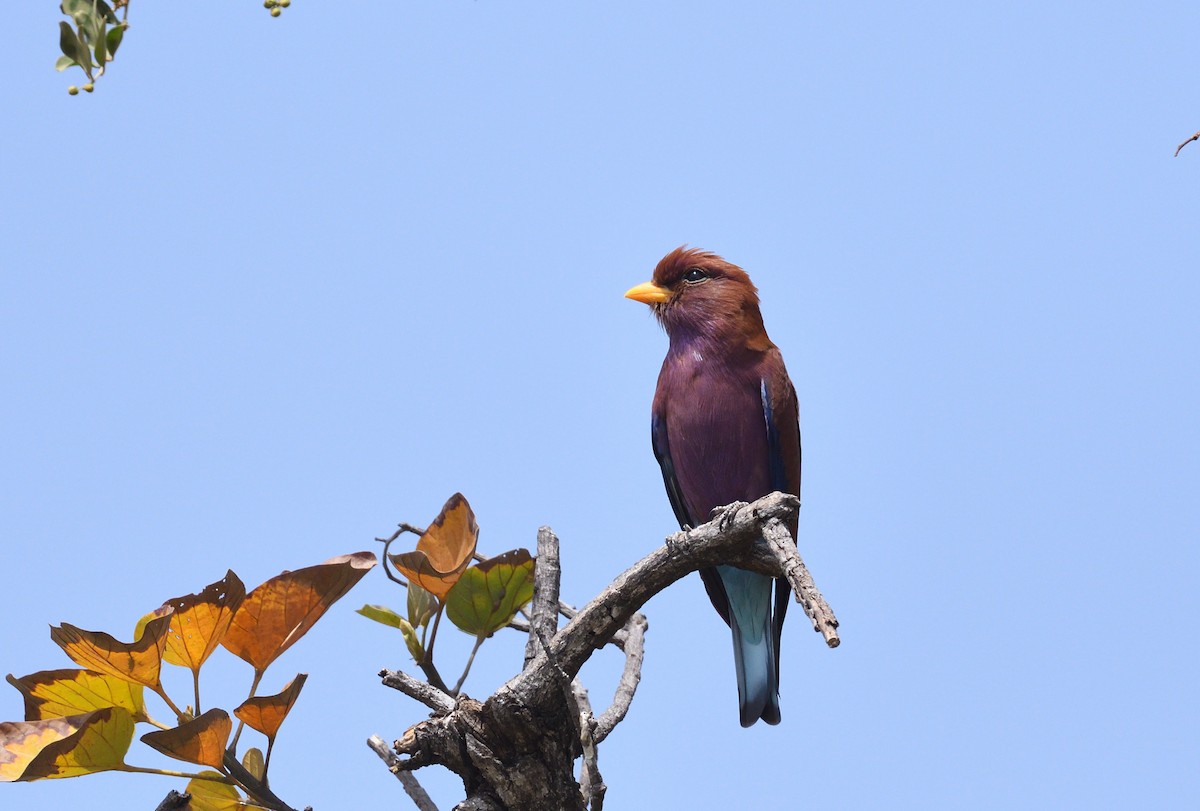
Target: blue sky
point(279, 284)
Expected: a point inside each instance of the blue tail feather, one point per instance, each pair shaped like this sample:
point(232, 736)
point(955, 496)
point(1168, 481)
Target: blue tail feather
point(754, 654)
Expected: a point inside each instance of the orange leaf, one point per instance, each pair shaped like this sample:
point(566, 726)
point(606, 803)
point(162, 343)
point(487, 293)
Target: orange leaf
point(214, 795)
point(266, 713)
point(139, 662)
point(444, 550)
point(65, 747)
point(201, 740)
point(281, 610)
point(56, 693)
point(201, 620)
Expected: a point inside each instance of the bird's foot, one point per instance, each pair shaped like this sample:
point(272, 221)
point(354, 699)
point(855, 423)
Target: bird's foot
point(725, 514)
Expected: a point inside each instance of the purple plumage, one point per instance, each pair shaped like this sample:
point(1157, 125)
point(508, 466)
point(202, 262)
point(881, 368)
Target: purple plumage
point(725, 428)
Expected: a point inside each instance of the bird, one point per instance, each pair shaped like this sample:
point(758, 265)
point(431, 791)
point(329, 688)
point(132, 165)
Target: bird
point(725, 427)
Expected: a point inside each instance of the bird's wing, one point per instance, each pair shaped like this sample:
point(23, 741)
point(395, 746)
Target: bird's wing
point(662, 452)
point(782, 419)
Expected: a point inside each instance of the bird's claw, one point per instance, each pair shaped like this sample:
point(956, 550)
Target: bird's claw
point(725, 514)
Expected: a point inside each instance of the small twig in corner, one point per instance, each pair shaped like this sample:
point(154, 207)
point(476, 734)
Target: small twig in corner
point(1195, 137)
point(174, 801)
point(407, 779)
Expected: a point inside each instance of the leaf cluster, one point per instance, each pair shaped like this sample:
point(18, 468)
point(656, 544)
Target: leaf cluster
point(82, 721)
point(90, 41)
point(478, 599)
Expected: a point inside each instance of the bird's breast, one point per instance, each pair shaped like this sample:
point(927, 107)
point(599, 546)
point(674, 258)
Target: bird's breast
point(715, 423)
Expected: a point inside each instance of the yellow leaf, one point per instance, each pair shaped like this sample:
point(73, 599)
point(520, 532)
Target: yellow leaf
point(213, 795)
point(201, 740)
point(266, 713)
point(444, 550)
point(254, 762)
point(201, 620)
point(56, 693)
point(281, 610)
point(139, 662)
point(65, 747)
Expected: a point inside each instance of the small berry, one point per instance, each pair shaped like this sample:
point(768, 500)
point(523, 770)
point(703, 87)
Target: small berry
point(89, 87)
point(73, 90)
point(269, 3)
point(275, 12)
point(285, 3)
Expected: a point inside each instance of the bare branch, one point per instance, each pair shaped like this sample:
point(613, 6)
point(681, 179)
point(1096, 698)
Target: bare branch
point(1195, 137)
point(427, 694)
point(783, 547)
point(635, 635)
point(591, 784)
point(412, 788)
point(730, 538)
point(543, 611)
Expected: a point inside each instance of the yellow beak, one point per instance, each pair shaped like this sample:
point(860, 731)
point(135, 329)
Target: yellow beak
point(648, 293)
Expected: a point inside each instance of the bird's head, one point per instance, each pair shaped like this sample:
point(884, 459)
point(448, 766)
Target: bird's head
point(696, 294)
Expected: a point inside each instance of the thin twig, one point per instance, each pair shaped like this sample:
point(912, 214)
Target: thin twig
point(401, 528)
point(433, 698)
point(1195, 137)
point(635, 631)
point(408, 780)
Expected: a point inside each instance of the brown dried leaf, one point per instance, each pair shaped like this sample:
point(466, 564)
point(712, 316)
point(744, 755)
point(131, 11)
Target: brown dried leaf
point(65, 747)
point(266, 713)
point(281, 610)
point(58, 693)
point(201, 740)
point(139, 661)
point(201, 620)
point(444, 550)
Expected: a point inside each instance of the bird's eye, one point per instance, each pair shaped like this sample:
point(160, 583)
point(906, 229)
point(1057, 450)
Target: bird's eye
point(693, 275)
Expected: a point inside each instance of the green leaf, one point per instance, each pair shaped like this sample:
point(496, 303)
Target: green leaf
point(421, 605)
point(386, 616)
point(68, 42)
point(114, 37)
point(63, 63)
point(100, 47)
point(381, 614)
point(410, 639)
point(71, 45)
point(106, 11)
point(489, 594)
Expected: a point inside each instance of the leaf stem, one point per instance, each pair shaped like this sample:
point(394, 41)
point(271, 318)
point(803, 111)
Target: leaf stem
point(125, 767)
point(258, 674)
point(162, 693)
point(470, 660)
